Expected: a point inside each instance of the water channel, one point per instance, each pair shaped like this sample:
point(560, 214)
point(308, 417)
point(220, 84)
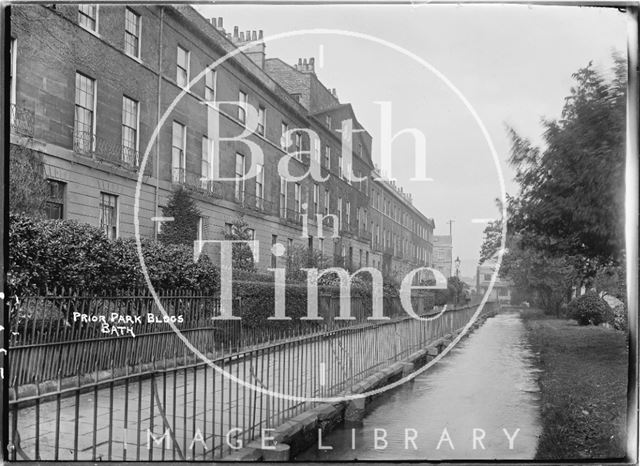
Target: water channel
point(485, 388)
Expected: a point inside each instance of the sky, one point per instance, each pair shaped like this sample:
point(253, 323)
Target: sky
point(512, 64)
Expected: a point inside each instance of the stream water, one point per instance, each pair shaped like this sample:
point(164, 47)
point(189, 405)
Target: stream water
point(484, 389)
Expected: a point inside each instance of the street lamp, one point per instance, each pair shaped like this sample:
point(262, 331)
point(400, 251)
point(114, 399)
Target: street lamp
point(457, 262)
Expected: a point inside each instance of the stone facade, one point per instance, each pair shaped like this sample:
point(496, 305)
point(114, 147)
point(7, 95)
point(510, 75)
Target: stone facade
point(501, 288)
point(443, 254)
point(53, 52)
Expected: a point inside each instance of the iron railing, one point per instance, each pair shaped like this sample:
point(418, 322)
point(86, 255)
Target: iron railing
point(207, 187)
point(291, 215)
point(219, 190)
point(181, 408)
point(257, 203)
point(60, 327)
point(87, 144)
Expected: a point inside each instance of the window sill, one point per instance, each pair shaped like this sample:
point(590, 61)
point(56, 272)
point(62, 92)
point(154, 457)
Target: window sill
point(134, 58)
point(90, 31)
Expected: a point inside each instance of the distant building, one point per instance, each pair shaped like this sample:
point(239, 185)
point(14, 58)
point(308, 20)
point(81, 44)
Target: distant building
point(443, 254)
point(469, 281)
point(501, 288)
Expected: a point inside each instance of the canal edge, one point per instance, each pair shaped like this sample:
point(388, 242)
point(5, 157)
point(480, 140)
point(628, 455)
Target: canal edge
point(301, 431)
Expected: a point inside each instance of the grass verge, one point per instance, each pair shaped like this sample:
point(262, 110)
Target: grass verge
point(583, 387)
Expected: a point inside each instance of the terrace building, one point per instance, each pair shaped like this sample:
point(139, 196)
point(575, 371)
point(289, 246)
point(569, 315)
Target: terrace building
point(443, 254)
point(501, 291)
point(91, 83)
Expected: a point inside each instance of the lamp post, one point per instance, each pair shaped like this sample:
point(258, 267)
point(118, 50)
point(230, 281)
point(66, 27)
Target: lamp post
point(457, 262)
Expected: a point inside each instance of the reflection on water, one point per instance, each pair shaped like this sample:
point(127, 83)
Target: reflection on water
point(486, 383)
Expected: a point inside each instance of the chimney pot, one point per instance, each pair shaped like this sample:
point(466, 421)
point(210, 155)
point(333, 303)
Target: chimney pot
point(242, 37)
point(247, 36)
point(260, 35)
point(220, 25)
point(235, 31)
point(254, 35)
point(304, 62)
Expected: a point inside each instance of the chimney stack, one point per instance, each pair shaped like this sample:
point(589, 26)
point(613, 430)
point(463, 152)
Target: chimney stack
point(306, 66)
point(256, 52)
point(218, 24)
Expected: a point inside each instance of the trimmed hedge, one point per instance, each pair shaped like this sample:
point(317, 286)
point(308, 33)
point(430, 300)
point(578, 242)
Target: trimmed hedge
point(46, 256)
point(51, 254)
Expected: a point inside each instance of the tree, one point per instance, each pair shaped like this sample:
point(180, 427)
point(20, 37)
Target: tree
point(299, 257)
point(538, 276)
point(571, 198)
point(28, 188)
point(567, 220)
point(242, 256)
point(492, 237)
point(455, 288)
point(183, 229)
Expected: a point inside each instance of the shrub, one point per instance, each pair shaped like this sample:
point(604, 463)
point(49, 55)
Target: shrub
point(254, 302)
point(184, 227)
point(589, 309)
point(49, 254)
point(241, 256)
point(618, 312)
point(299, 257)
point(54, 253)
point(612, 281)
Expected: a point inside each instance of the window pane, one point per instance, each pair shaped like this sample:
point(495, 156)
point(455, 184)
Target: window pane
point(242, 107)
point(177, 134)
point(261, 120)
point(177, 152)
point(83, 119)
point(55, 200)
point(204, 167)
point(239, 191)
point(129, 130)
point(182, 76)
point(108, 214)
point(209, 85)
point(87, 16)
point(283, 142)
point(131, 32)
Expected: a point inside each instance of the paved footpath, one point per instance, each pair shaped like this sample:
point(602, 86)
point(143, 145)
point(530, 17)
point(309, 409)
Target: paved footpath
point(199, 407)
